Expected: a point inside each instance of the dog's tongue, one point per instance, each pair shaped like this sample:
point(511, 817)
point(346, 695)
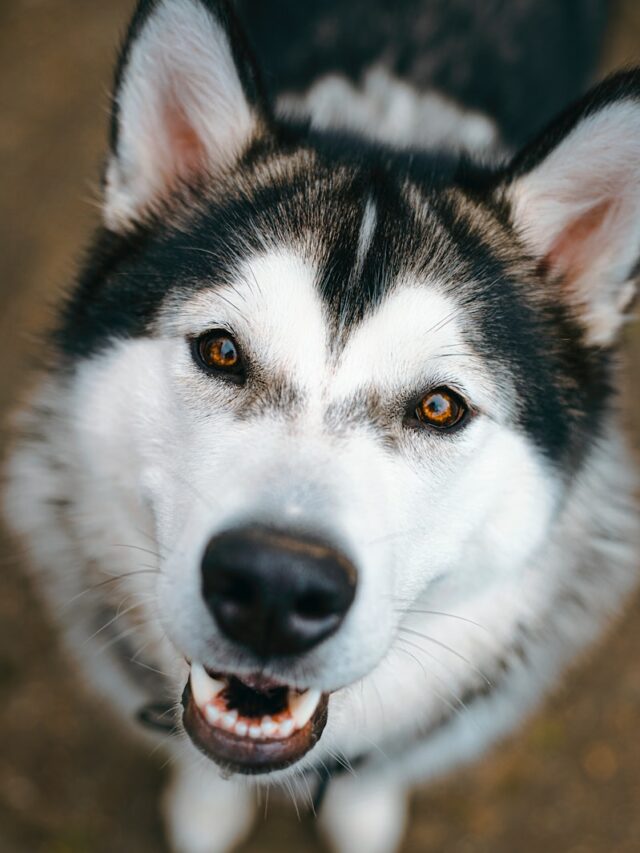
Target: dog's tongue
point(251, 725)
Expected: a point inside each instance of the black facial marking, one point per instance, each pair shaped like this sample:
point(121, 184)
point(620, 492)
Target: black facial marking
point(304, 190)
point(562, 384)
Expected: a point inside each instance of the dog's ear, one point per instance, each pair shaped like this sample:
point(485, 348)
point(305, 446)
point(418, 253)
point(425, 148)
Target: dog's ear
point(186, 104)
point(574, 197)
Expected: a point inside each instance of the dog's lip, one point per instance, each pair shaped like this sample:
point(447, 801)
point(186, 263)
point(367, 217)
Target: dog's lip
point(261, 747)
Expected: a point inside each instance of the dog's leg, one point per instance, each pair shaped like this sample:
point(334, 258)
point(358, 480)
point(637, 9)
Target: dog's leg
point(364, 815)
point(204, 813)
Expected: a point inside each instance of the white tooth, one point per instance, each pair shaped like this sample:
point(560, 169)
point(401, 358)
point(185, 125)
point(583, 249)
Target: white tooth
point(269, 728)
point(255, 731)
point(212, 714)
point(286, 728)
point(241, 728)
point(302, 707)
point(204, 688)
point(229, 719)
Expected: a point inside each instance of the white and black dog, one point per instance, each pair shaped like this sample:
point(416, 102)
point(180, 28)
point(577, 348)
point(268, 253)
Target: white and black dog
point(329, 427)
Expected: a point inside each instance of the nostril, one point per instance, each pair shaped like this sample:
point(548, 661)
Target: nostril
point(236, 590)
point(316, 605)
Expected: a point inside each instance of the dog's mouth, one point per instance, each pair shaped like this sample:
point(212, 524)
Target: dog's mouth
point(251, 725)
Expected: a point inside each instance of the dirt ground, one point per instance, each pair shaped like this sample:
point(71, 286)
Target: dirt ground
point(70, 782)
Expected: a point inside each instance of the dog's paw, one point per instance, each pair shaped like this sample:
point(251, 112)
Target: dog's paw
point(363, 815)
point(204, 813)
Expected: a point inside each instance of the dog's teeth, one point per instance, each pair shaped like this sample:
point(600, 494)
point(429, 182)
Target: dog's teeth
point(212, 714)
point(229, 719)
point(269, 728)
point(302, 707)
point(286, 728)
point(204, 688)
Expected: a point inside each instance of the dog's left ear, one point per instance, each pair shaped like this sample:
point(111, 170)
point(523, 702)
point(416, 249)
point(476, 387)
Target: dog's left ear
point(574, 197)
point(186, 104)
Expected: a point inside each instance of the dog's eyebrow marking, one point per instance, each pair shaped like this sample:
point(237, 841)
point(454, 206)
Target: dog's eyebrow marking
point(364, 406)
point(365, 237)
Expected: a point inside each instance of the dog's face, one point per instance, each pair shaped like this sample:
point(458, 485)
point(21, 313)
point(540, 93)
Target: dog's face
point(343, 386)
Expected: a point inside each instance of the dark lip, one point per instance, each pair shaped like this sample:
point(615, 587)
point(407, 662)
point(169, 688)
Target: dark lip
point(245, 755)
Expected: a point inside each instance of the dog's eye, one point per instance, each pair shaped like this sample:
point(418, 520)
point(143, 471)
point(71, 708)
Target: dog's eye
point(441, 409)
point(217, 352)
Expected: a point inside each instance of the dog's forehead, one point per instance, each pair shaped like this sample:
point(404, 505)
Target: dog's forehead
point(276, 309)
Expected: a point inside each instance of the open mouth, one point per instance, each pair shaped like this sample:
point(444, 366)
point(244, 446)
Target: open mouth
point(251, 725)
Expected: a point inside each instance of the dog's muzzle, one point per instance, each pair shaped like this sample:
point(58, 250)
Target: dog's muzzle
point(277, 596)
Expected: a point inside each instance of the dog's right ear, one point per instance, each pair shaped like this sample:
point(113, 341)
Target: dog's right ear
point(186, 104)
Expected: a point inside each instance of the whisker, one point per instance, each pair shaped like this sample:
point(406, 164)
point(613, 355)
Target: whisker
point(376, 746)
point(448, 649)
point(137, 548)
point(144, 665)
point(441, 324)
point(304, 779)
point(148, 570)
point(456, 709)
point(266, 800)
point(442, 613)
point(432, 672)
point(113, 641)
point(118, 615)
point(343, 761)
point(290, 791)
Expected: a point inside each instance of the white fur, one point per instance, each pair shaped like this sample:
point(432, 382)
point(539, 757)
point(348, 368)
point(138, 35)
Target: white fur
point(204, 813)
point(389, 110)
point(476, 526)
point(359, 816)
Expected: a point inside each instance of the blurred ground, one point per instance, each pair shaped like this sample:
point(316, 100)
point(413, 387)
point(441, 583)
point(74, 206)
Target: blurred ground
point(69, 781)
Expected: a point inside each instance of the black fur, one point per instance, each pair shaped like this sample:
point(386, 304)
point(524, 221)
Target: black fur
point(561, 384)
point(519, 61)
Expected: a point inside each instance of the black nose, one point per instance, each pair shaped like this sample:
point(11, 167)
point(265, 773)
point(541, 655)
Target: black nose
point(275, 593)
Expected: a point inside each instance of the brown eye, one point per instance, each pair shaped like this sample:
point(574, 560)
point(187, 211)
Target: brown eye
point(441, 409)
point(217, 352)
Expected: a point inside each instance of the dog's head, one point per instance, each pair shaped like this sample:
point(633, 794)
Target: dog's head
point(339, 379)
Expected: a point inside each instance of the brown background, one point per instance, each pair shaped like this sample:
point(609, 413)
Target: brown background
point(70, 782)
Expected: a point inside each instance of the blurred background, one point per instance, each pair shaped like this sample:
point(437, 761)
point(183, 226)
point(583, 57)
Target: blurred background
point(70, 781)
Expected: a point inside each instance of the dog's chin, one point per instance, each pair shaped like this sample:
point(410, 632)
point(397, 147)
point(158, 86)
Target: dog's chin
point(251, 725)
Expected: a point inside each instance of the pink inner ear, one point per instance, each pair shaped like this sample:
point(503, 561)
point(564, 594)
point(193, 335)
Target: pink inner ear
point(580, 244)
point(188, 154)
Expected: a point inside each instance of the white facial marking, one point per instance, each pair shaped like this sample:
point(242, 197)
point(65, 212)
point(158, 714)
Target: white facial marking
point(406, 518)
point(413, 339)
point(367, 231)
point(273, 309)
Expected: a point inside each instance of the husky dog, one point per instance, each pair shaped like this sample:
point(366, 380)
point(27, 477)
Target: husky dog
point(327, 455)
